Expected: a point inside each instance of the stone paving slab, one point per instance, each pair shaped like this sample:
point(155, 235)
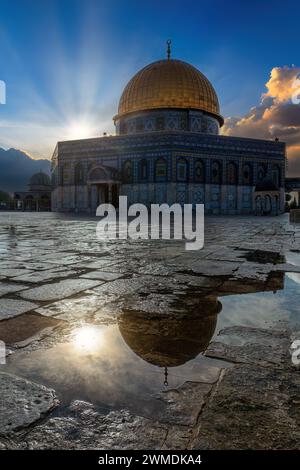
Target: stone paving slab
point(59, 290)
point(9, 263)
point(72, 309)
point(67, 260)
point(253, 408)
point(178, 438)
point(262, 347)
point(215, 268)
point(87, 428)
point(13, 272)
point(184, 403)
point(11, 307)
point(98, 264)
point(42, 276)
point(43, 266)
point(22, 402)
point(24, 328)
point(9, 287)
point(102, 275)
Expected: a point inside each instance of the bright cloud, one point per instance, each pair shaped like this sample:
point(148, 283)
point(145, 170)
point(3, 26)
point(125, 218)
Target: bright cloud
point(277, 115)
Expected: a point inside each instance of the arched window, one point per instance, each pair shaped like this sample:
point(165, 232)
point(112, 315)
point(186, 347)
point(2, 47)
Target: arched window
point(143, 170)
point(258, 205)
point(216, 176)
point(199, 171)
point(276, 175)
point(161, 170)
point(97, 174)
point(261, 172)
point(127, 171)
point(267, 204)
point(182, 169)
point(63, 174)
point(160, 123)
point(247, 175)
point(140, 125)
point(232, 173)
point(79, 175)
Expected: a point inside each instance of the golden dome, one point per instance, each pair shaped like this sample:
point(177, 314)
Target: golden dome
point(169, 84)
point(167, 341)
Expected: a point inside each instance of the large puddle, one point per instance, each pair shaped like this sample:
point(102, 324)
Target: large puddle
point(129, 363)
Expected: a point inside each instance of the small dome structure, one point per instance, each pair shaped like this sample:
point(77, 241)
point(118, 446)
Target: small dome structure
point(39, 182)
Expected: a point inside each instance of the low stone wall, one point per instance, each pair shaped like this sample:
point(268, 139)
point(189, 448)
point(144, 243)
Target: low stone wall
point(295, 216)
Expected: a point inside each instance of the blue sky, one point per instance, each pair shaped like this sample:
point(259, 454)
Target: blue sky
point(66, 62)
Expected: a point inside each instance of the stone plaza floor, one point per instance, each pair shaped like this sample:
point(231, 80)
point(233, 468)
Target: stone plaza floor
point(143, 345)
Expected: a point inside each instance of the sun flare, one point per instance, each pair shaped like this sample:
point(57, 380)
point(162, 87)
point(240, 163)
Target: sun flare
point(88, 338)
point(79, 130)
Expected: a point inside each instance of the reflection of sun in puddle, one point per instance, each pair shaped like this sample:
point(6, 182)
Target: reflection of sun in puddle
point(88, 338)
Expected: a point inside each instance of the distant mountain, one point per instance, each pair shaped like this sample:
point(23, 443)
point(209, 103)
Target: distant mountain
point(16, 168)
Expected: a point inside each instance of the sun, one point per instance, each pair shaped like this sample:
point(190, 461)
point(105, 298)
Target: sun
point(88, 338)
point(79, 130)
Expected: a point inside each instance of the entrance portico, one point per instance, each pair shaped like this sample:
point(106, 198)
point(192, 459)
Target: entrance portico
point(103, 186)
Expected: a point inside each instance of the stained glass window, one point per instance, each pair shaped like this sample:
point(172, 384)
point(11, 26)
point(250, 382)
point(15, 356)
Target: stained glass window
point(232, 173)
point(216, 173)
point(78, 174)
point(199, 171)
point(182, 170)
point(161, 170)
point(127, 171)
point(261, 173)
point(276, 175)
point(143, 170)
point(247, 174)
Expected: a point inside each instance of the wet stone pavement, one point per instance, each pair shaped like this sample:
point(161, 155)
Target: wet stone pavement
point(143, 345)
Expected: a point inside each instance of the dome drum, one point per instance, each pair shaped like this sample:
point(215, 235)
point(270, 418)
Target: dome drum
point(167, 120)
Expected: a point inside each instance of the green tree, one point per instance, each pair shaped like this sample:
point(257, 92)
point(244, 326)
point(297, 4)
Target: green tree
point(5, 200)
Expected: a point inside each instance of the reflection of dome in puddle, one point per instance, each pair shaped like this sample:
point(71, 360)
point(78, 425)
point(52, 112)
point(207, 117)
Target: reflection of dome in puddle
point(170, 341)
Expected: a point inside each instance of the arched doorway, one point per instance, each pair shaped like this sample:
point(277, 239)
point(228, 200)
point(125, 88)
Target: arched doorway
point(29, 203)
point(268, 193)
point(18, 202)
point(103, 186)
point(44, 203)
point(258, 205)
point(267, 205)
